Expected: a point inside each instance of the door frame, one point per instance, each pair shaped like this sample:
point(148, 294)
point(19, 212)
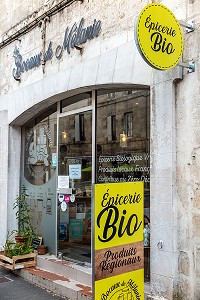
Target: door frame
point(91, 108)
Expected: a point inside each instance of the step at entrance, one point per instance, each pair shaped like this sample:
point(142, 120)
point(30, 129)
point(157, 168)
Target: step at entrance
point(64, 278)
point(75, 271)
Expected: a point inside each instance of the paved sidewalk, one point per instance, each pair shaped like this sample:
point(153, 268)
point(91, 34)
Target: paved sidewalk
point(66, 279)
point(13, 287)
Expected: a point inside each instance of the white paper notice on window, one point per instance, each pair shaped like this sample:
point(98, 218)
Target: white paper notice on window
point(75, 171)
point(63, 182)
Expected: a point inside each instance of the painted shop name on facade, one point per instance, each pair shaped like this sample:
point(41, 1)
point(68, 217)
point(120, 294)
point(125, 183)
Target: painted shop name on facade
point(73, 37)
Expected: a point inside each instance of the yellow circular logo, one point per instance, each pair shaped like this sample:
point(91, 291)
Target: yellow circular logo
point(159, 37)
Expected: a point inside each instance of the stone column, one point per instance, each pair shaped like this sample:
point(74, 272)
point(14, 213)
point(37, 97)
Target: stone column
point(164, 257)
point(4, 128)
point(14, 167)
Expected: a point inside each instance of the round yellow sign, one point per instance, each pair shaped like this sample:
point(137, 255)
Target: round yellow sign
point(159, 37)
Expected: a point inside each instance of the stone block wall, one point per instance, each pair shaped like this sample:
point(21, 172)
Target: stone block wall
point(117, 28)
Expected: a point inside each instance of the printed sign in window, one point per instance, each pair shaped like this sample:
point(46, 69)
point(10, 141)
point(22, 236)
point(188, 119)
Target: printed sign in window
point(80, 210)
point(75, 171)
point(63, 182)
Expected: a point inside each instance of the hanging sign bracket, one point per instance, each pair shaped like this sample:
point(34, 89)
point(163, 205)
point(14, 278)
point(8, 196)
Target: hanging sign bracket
point(190, 66)
point(190, 26)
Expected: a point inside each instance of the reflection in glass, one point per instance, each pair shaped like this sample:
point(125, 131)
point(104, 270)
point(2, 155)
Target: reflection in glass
point(123, 139)
point(40, 151)
point(75, 161)
point(127, 157)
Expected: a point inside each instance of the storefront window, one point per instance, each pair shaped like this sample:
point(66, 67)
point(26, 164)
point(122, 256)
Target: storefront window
point(76, 102)
point(123, 148)
point(40, 151)
point(75, 163)
point(124, 156)
point(39, 177)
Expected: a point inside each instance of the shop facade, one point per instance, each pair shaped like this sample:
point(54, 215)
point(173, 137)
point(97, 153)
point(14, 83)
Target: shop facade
point(78, 100)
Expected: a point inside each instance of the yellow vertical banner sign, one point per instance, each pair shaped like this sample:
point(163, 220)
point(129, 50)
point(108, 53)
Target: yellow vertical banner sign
point(118, 241)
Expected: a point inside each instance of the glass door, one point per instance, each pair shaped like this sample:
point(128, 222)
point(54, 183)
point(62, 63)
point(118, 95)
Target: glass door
point(74, 185)
point(39, 175)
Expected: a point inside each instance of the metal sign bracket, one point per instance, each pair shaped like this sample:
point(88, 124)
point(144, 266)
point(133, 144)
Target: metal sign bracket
point(190, 26)
point(190, 66)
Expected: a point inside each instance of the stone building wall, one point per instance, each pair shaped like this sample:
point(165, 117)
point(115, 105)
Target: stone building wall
point(117, 28)
point(187, 140)
point(187, 110)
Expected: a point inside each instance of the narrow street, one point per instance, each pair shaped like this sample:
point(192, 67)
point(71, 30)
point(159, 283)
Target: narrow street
point(14, 287)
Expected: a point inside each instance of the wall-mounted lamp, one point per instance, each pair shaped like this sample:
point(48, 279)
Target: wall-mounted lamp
point(123, 139)
point(64, 134)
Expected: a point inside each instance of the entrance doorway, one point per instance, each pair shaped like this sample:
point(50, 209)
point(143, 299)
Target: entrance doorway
point(95, 137)
point(74, 196)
